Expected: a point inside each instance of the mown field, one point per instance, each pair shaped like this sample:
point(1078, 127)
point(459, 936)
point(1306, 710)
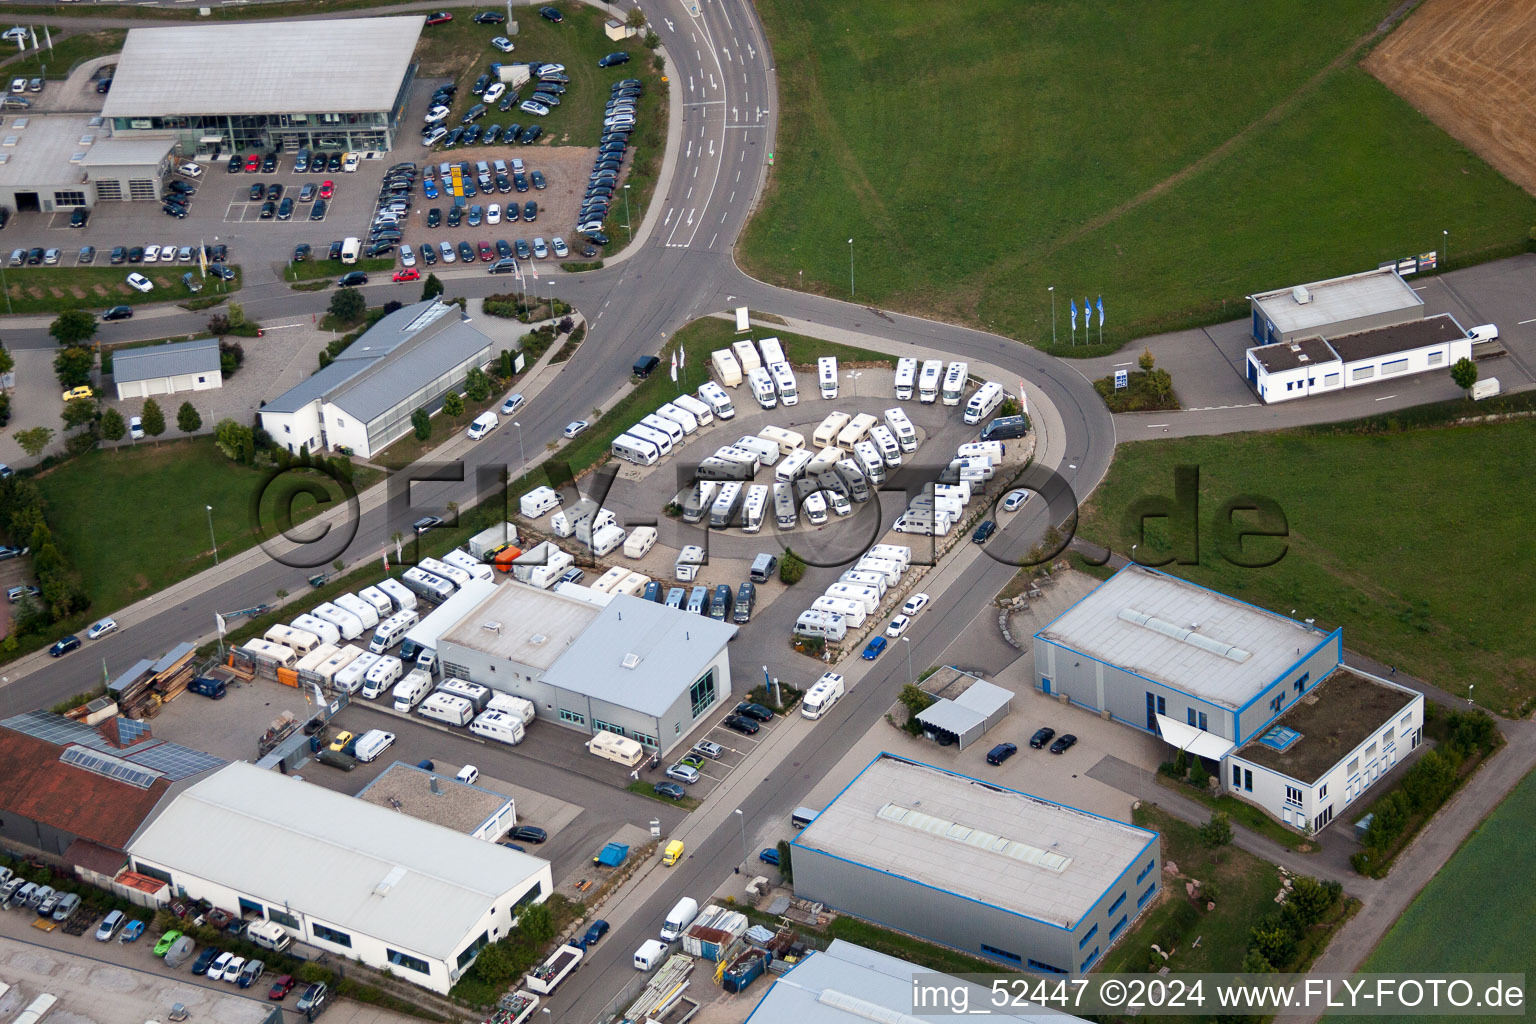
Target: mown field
point(1172, 157)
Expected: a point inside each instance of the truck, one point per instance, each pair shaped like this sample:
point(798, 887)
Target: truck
point(679, 918)
point(673, 853)
point(546, 977)
point(727, 369)
point(491, 538)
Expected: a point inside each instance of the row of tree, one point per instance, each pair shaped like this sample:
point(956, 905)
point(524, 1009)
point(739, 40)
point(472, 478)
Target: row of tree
point(24, 517)
point(104, 425)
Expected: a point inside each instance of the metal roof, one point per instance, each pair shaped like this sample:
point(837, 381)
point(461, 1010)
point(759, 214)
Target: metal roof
point(415, 885)
point(524, 624)
point(980, 701)
point(130, 152)
point(1369, 293)
point(671, 648)
point(1417, 334)
point(1171, 631)
point(389, 381)
point(976, 839)
point(40, 151)
point(849, 984)
point(342, 66)
point(156, 361)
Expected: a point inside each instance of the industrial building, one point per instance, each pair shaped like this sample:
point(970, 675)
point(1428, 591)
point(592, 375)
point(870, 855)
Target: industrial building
point(219, 88)
point(976, 706)
point(363, 401)
point(849, 984)
point(1340, 305)
point(973, 865)
point(167, 369)
point(1211, 674)
point(53, 163)
point(443, 800)
point(342, 874)
point(631, 667)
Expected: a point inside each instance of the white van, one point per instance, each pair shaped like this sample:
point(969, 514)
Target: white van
point(679, 918)
point(500, 726)
point(714, 396)
point(649, 954)
point(410, 690)
point(373, 743)
point(447, 707)
point(351, 248)
point(269, 935)
point(784, 512)
point(392, 630)
point(701, 412)
point(484, 424)
point(826, 373)
point(383, 675)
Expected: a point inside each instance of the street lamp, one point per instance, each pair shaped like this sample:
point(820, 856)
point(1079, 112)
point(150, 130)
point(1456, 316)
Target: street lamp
point(520, 451)
point(1052, 290)
point(908, 641)
point(1446, 248)
point(851, 292)
point(742, 820)
point(626, 213)
point(211, 536)
point(854, 376)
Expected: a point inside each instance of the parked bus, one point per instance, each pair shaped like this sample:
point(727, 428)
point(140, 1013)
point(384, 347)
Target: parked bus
point(819, 699)
point(445, 707)
point(826, 375)
point(636, 450)
point(928, 381)
point(906, 376)
point(784, 513)
point(784, 383)
point(787, 440)
point(727, 502)
point(954, 382)
point(714, 396)
point(901, 426)
point(856, 431)
point(702, 413)
point(752, 508)
point(984, 402)
point(825, 434)
point(391, 631)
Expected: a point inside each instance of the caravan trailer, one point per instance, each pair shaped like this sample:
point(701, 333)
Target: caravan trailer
point(784, 383)
point(518, 707)
point(700, 412)
point(793, 466)
point(426, 585)
point(538, 501)
point(366, 613)
point(955, 378)
point(767, 451)
point(714, 396)
point(380, 601)
point(351, 678)
point(614, 747)
point(452, 573)
point(752, 508)
point(325, 631)
point(475, 693)
point(856, 431)
point(306, 665)
point(498, 726)
point(445, 707)
point(825, 435)
point(680, 416)
point(743, 320)
point(605, 583)
point(660, 439)
point(724, 363)
point(464, 560)
point(349, 625)
point(772, 351)
point(299, 641)
point(826, 375)
point(928, 381)
point(984, 402)
point(787, 440)
point(747, 459)
point(271, 653)
point(816, 623)
point(746, 356)
point(762, 388)
point(400, 596)
point(325, 672)
point(906, 377)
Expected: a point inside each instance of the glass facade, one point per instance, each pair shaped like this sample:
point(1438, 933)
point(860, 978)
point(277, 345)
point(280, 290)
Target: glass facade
point(246, 132)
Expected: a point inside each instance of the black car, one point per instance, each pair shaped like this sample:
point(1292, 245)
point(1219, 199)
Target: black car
point(530, 211)
point(136, 254)
point(1062, 745)
point(335, 252)
point(204, 959)
point(220, 271)
point(502, 184)
point(269, 163)
point(183, 188)
point(742, 725)
point(453, 138)
point(434, 217)
point(596, 238)
point(333, 165)
point(613, 60)
point(64, 646)
point(379, 249)
point(301, 252)
point(285, 209)
point(455, 216)
point(103, 86)
point(34, 256)
point(528, 834)
point(492, 134)
point(428, 254)
point(537, 178)
point(756, 711)
point(352, 279)
point(175, 200)
point(268, 210)
point(503, 249)
point(490, 18)
point(1001, 753)
point(512, 214)
point(317, 212)
point(531, 134)
point(550, 14)
point(471, 136)
point(219, 252)
point(983, 531)
point(524, 251)
point(119, 254)
point(172, 210)
point(520, 181)
point(118, 313)
point(79, 217)
point(481, 84)
point(1041, 737)
point(234, 165)
point(466, 252)
point(275, 191)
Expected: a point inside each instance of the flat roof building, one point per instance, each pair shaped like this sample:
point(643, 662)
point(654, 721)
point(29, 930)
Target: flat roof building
point(364, 399)
point(631, 667)
point(167, 369)
point(1317, 365)
point(57, 162)
point(224, 87)
point(1339, 305)
point(354, 879)
point(967, 705)
point(1211, 674)
point(986, 869)
point(443, 800)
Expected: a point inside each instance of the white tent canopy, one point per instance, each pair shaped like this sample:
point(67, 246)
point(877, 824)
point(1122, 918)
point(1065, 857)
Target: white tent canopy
point(1193, 741)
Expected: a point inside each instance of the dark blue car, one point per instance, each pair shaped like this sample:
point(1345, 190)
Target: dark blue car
point(769, 855)
point(875, 648)
point(596, 930)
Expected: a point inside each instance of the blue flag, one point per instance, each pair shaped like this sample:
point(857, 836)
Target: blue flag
point(1101, 311)
point(1074, 313)
point(1087, 313)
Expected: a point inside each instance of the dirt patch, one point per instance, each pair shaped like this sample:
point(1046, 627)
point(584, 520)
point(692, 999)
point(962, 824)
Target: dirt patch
point(1470, 66)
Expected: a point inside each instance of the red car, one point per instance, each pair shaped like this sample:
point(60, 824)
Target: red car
point(327, 189)
point(281, 987)
point(253, 162)
point(439, 18)
point(486, 252)
point(407, 274)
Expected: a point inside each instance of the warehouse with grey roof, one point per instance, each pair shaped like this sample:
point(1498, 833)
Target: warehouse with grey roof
point(973, 865)
point(237, 87)
point(167, 369)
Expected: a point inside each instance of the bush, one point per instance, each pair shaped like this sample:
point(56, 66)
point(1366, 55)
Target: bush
point(348, 305)
point(231, 357)
point(421, 423)
point(1198, 776)
point(791, 569)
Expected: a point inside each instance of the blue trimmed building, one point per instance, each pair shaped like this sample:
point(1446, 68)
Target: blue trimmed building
point(976, 866)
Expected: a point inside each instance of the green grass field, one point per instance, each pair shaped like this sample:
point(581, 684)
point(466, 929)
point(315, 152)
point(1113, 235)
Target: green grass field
point(1414, 541)
point(1480, 897)
point(68, 50)
point(1103, 149)
point(50, 289)
point(133, 521)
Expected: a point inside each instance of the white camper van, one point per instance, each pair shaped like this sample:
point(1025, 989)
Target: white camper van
point(826, 375)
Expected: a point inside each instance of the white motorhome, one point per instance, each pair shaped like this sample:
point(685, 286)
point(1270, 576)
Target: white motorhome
point(869, 460)
point(538, 501)
point(762, 388)
point(824, 693)
point(826, 375)
point(700, 412)
point(786, 440)
point(382, 675)
point(752, 508)
point(815, 508)
point(793, 466)
point(906, 377)
point(984, 402)
point(366, 613)
point(928, 381)
point(772, 351)
point(881, 566)
point(445, 707)
point(853, 476)
point(686, 568)
point(680, 416)
point(825, 434)
point(411, 690)
point(696, 502)
point(784, 512)
point(380, 601)
point(885, 441)
point(726, 504)
point(784, 383)
point(499, 726)
point(714, 396)
point(955, 378)
point(464, 560)
point(452, 573)
point(906, 435)
point(350, 679)
point(724, 363)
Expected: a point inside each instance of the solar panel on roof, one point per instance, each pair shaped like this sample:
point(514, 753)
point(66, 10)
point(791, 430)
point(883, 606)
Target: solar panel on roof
point(52, 728)
point(111, 767)
point(175, 761)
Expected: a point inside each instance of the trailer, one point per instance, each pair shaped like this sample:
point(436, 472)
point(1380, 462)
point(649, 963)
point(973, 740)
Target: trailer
point(488, 540)
point(746, 356)
point(546, 977)
point(727, 369)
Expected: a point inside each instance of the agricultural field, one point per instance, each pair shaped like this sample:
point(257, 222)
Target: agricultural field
point(1042, 146)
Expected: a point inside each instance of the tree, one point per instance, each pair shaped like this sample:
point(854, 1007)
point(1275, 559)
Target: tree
point(1254, 963)
point(1198, 776)
point(73, 326)
point(494, 964)
point(915, 701)
point(1217, 833)
point(73, 366)
point(231, 356)
point(421, 423)
point(1146, 361)
point(477, 385)
point(635, 18)
point(1311, 898)
point(453, 404)
point(1273, 941)
point(187, 419)
point(431, 288)
point(7, 361)
point(1464, 373)
point(791, 569)
point(786, 867)
point(348, 305)
point(391, 306)
point(230, 437)
point(113, 427)
point(652, 40)
point(153, 419)
point(79, 412)
point(506, 363)
point(34, 440)
point(1430, 781)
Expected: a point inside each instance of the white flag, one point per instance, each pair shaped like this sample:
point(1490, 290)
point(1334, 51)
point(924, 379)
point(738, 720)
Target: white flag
point(682, 357)
point(49, 37)
point(674, 367)
point(218, 620)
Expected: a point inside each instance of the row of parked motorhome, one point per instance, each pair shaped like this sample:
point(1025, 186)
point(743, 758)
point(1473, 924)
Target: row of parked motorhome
point(848, 603)
point(658, 433)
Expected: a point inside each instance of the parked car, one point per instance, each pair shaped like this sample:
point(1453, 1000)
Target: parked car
point(1014, 500)
point(132, 932)
point(313, 998)
point(708, 749)
point(898, 626)
point(1063, 744)
point(64, 645)
point(754, 711)
point(613, 60)
point(167, 941)
point(575, 427)
point(875, 648)
point(985, 529)
point(683, 773)
point(550, 14)
point(670, 790)
point(742, 725)
point(1042, 736)
point(426, 523)
point(205, 959)
point(769, 855)
point(596, 930)
point(528, 834)
point(140, 283)
point(118, 312)
point(281, 986)
point(101, 628)
point(1001, 753)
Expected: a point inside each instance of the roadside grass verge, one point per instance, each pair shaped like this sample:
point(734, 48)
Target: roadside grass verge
point(51, 289)
point(644, 789)
point(322, 269)
point(68, 50)
point(1409, 537)
point(1159, 185)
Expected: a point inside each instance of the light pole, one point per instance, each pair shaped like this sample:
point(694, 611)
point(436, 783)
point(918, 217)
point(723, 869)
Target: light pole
point(854, 375)
point(1052, 290)
point(627, 232)
point(851, 292)
point(908, 641)
point(520, 452)
point(1446, 248)
point(211, 535)
point(742, 820)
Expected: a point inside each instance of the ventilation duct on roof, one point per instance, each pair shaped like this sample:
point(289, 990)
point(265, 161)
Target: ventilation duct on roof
point(631, 660)
point(958, 833)
point(1301, 295)
point(856, 1007)
point(538, 639)
point(395, 877)
point(1185, 635)
point(493, 626)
